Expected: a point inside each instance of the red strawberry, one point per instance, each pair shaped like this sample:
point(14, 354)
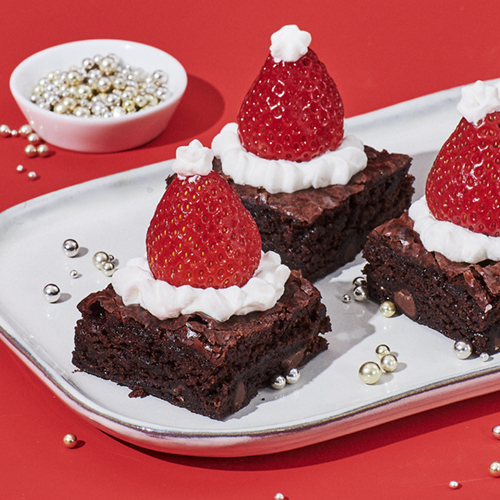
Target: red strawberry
point(293, 111)
point(202, 235)
point(463, 185)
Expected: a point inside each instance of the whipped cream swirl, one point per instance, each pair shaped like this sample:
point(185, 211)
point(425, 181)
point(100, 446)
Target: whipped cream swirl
point(193, 160)
point(456, 243)
point(136, 285)
point(478, 100)
point(284, 176)
point(289, 43)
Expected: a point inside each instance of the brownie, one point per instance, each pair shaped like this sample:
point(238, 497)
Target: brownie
point(320, 230)
point(460, 300)
point(194, 361)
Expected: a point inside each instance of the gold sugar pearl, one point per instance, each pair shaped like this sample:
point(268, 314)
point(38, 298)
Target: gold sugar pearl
point(370, 373)
point(70, 440)
point(30, 151)
point(25, 130)
point(389, 363)
point(387, 308)
point(381, 350)
point(43, 150)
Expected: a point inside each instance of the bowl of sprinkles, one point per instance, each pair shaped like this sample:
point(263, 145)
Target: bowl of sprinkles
point(99, 96)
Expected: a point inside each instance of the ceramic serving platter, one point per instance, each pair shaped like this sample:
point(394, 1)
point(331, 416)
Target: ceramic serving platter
point(112, 214)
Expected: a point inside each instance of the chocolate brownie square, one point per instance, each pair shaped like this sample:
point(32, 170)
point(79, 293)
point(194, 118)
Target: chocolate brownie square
point(319, 230)
point(460, 300)
point(194, 361)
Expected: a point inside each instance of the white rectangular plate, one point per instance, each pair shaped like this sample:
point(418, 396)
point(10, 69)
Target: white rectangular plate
point(112, 214)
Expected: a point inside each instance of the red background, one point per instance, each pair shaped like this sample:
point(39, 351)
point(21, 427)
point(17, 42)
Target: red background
point(379, 53)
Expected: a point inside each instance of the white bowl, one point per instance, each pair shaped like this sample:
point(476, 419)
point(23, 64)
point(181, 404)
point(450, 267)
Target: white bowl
point(97, 135)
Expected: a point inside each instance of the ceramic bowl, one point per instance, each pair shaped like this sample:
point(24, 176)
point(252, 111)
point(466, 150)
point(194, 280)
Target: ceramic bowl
point(97, 135)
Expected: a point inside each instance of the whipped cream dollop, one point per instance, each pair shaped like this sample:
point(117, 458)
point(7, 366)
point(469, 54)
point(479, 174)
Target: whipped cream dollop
point(478, 100)
point(136, 285)
point(456, 243)
point(289, 44)
point(194, 159)
point(284, 176)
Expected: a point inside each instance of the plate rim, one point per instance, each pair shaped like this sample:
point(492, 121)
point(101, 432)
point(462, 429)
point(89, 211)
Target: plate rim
point(243, 442)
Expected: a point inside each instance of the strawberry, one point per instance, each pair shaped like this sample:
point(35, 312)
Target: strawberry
point(202, 235)
point(293, 111)
point(463, 186)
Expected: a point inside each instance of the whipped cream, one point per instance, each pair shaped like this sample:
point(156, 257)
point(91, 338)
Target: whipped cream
point(289, 44)
point(478, 100)
point(193, 159)
point(284, 176)
point(456, 243)
point(136, 285)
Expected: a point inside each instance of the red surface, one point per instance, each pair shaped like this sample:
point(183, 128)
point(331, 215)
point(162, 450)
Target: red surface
point(379, 53)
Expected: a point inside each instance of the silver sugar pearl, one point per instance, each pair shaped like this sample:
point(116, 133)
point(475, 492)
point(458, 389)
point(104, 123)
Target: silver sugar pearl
point(359, 294)
point(162, 93)
point(462, 349)
point(453, 485)
point(71, 247)
point(20, 168)
point(496, 431)
point(359, 281)
point(484, 356)
point(346, 298)
point(52, 292)
point(293, 376)
point(74, 274)
point(108, 268)
point(14, 133)
point(99, 259)
point(495, 469)
point(159, 77)
point(279, 382)
point(32, 175)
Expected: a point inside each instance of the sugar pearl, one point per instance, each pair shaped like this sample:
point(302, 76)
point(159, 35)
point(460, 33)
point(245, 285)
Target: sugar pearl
point(279, 382)
point(52, 292)
point(43, 150)
point(370, 373)
point(495, 469)
point(389, 363)
point(5, 130)
point(463, 350)
point(381, 350)
point(70, 440)
point(388, 309)
point(30, 151)
point(496, 431)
